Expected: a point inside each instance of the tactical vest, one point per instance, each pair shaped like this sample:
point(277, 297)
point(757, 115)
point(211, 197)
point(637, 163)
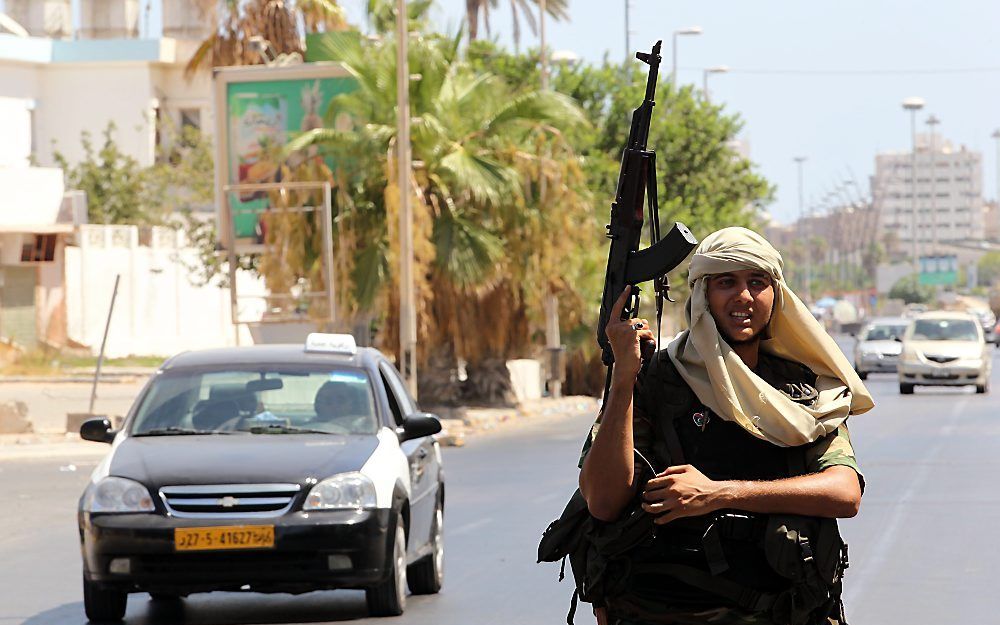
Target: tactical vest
point(786, 567)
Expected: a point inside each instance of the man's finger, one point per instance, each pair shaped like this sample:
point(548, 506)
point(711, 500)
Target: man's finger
point(616, 310)
point(673, 470)
point(663, 519)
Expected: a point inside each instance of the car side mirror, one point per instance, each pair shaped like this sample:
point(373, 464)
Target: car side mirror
point(897, 339)
point(417, 425)
point(97, 430)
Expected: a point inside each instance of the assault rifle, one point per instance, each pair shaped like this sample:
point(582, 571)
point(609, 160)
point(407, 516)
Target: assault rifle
point(627, 264)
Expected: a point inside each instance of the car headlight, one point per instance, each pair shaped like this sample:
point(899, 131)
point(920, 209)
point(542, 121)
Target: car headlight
point(348, 491)
point(118, 494)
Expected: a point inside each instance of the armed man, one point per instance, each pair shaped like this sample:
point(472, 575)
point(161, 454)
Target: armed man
point(733, 440)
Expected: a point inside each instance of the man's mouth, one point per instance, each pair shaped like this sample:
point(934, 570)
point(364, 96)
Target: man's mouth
point(742, 318)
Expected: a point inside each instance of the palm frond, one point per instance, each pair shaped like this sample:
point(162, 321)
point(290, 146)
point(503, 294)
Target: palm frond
point(487, 181)
point(537, 106)
point(467, 252)
point(371, 272)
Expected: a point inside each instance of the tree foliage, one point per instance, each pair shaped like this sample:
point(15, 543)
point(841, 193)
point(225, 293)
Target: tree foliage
point(112, 180)
point(988, 269)
point(909, 289)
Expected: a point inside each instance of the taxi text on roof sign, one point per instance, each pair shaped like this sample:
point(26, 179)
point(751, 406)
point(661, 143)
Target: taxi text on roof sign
point(331, 343)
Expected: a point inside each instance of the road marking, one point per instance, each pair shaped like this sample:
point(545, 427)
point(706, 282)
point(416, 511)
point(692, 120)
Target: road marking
point(468, 527)
point(879, 554)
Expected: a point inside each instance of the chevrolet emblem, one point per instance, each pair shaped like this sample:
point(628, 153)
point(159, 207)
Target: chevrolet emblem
point(228, 502)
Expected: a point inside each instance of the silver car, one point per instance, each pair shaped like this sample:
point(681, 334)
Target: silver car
point(944, 349)
point(878, 345)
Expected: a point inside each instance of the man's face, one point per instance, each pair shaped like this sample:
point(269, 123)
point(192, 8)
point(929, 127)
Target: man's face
point(741, 303)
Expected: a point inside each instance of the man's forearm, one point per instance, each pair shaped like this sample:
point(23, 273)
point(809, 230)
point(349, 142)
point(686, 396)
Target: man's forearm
point(833, 493)
point(607, 479)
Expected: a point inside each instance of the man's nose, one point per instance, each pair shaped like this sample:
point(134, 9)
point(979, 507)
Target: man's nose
point(743, 294)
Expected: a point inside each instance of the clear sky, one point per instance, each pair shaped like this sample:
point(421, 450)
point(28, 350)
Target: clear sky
point(838, 120)
point(807, 76)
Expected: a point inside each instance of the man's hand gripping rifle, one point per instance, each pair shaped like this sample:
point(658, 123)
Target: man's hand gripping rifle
point(627, 264)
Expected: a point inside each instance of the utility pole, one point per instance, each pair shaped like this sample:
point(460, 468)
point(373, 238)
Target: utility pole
point(628, 43)
point(913, 105)
point(553, 339)
point(933, 121)
point(799, 160)
point(407, 301)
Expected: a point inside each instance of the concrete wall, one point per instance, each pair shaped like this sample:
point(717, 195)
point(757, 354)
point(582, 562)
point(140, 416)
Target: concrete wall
point(15, 149)
point(30, 196)
point(158, 310)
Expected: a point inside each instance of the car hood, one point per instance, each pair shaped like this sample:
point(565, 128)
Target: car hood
point(239, 458)
point(882, 347)
point(951, 349)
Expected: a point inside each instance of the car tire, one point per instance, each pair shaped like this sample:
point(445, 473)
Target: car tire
point(389, 597)
point(426, 576)
point(982, 389)
point(102, 604)
point(905, 389)
point(862, 374)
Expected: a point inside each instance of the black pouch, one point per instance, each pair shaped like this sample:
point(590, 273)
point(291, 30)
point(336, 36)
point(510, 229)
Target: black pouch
point(809, 552)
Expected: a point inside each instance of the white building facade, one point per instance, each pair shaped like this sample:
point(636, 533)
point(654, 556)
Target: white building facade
point(948, 186)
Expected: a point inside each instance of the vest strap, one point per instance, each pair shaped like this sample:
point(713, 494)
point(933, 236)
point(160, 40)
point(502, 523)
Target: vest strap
point(743, 596)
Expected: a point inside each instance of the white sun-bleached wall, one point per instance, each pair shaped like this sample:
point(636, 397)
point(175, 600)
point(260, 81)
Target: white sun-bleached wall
point(160, 310)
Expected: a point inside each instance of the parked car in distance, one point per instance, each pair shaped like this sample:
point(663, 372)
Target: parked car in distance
point(944, 349)
point(273, 468)
point(878, 345)
point(989, 321)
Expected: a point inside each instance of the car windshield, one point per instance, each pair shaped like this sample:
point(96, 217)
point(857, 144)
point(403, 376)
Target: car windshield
point(945, 330)
point(257, 401)
point(883, 332)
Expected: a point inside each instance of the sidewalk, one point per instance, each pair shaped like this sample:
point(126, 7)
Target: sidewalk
point(457, 423)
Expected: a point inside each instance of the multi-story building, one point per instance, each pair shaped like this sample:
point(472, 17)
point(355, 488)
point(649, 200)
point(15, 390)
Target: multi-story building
point(948, 187)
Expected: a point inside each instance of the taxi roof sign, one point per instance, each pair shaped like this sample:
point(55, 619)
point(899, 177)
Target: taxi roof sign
point(331, 343)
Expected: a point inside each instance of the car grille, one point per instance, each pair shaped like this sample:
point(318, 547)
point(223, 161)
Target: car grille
point(223, 501)
point(939, 358)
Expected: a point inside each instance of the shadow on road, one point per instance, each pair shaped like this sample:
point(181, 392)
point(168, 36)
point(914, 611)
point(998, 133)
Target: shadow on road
point(224, 609)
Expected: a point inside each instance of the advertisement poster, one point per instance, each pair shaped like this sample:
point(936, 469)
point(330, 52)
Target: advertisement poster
point(263, 109)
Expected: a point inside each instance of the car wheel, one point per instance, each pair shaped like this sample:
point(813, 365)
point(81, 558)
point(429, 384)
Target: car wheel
point(389, 597)
point(103, 604)
point(862, 374)
point(983, 388)
point(905, 389)
point(427, 575)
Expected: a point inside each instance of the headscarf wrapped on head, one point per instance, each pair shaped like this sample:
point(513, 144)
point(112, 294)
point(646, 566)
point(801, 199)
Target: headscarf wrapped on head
point(724, 383)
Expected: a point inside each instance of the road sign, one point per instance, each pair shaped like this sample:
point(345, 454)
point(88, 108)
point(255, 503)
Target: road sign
point(939, 270)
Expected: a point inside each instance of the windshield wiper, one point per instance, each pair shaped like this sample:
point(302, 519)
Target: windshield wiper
point(176, 431)
point(279, 428)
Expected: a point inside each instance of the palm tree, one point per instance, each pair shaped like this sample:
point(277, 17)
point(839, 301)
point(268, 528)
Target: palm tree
point(487, 242)
point(276, 21)
point(557, 9)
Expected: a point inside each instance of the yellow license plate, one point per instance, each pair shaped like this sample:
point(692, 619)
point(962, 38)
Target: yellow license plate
point(225, 537)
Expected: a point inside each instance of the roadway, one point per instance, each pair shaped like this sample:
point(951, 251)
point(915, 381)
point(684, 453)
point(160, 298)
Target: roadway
point(922, 548)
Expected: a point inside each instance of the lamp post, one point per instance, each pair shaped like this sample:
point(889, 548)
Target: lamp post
point(996, 135)
point(931, 122)
point(913, 105)
point(691, 30)
point(407, 300)
point(718, 69)
point(799, 160)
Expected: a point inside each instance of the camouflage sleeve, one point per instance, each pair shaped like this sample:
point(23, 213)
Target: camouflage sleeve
point(834, 449)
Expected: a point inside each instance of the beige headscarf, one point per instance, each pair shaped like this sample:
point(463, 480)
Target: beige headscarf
point(721, 380)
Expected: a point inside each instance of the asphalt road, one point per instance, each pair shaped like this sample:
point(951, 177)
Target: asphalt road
point(922, 550)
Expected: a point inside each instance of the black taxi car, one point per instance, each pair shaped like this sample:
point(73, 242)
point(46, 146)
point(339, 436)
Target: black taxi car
point(277, 468)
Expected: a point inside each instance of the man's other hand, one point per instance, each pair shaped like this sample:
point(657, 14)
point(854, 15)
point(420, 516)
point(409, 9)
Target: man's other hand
point(680, 491)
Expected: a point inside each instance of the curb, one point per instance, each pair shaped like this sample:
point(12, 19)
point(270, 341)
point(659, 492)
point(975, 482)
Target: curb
point(459, 422)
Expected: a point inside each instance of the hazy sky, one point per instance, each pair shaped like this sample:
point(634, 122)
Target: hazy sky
point(820, 79)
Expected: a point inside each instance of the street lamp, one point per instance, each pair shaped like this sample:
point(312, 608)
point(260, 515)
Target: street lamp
point(996, 135)
point(931, 122)
point(691, 30)
point(913, 105)
point(799, 160)
point(718, 69)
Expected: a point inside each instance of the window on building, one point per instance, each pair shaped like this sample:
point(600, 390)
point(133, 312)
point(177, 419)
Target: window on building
point(41, 249)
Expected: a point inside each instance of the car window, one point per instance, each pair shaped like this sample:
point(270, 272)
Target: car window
point(883, 332)
point(259, 400)
point(945, 330)
point(399, 399)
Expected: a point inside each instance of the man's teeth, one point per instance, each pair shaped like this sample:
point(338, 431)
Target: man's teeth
point(740, 315)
